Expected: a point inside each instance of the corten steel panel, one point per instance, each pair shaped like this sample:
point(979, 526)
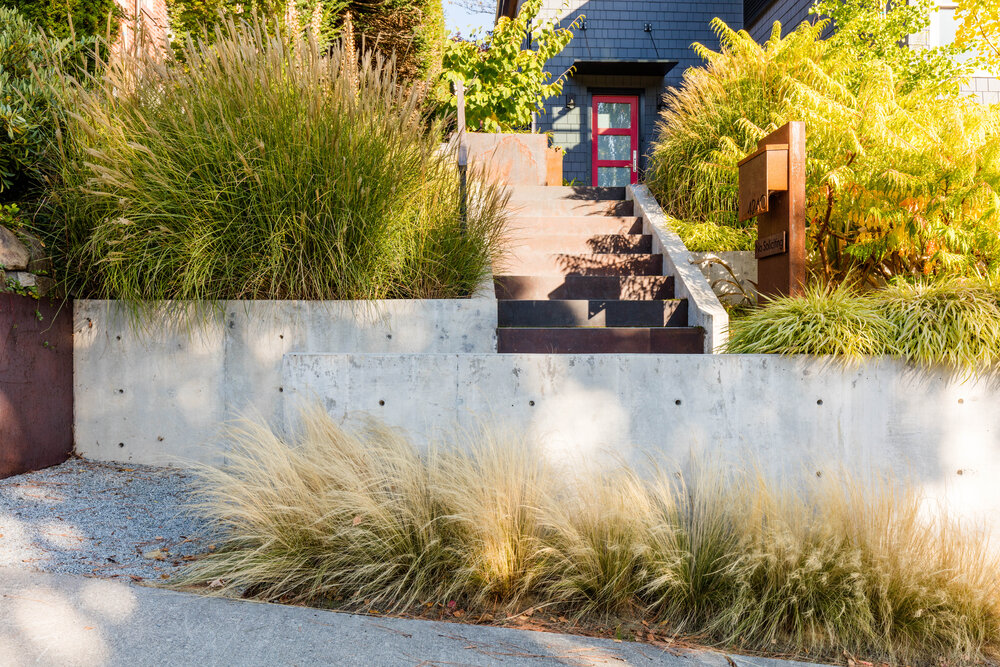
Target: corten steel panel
point(36, 383)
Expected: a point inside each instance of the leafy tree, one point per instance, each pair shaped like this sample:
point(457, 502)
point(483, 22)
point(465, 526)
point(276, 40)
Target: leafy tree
point(29, 60)
point(872, 30)
point(90, 18)
point(899, 182)
point(411, 31)
point(505, 83)
point(979, 29)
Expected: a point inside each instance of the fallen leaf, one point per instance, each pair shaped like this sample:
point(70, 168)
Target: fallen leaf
point(216, 584)
point(164, 576)
point(134, 577)
point(356, 521)
point(458, 613)
point(155, 554)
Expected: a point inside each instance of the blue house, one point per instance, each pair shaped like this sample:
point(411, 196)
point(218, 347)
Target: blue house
point(626, 53)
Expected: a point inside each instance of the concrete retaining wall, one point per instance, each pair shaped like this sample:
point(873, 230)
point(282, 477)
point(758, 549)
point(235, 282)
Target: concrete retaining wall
point(724, 269)
point(159, 394)
point(791, 415)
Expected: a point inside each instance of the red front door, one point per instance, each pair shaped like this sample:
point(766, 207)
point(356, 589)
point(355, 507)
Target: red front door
point(616, 140)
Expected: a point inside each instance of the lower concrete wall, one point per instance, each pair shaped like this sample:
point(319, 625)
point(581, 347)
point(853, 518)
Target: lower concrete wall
point(795, 416)
point(156, 391)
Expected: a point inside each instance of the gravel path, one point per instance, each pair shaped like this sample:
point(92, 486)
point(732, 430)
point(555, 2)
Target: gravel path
point(98, 519)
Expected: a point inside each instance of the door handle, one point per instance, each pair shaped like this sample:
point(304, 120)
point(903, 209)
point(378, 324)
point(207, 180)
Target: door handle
point(635, 160)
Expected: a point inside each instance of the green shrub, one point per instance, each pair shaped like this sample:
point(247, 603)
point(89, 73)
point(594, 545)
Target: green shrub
point(900, 181)
point(709, 237)
point(364, 521)
point(947, 322)
point(28, 61)
point(954, 323)
point(410, 31)
point(824, 320)
point(262, 167)
point(71, 18)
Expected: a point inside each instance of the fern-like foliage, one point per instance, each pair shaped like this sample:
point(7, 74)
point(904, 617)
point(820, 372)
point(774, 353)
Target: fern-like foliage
point(902, 180)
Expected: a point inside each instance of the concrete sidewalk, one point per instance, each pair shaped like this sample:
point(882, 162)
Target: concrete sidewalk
point(55, 619)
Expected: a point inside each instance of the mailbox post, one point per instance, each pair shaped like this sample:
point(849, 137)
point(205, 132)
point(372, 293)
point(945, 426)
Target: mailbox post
point(773, 190)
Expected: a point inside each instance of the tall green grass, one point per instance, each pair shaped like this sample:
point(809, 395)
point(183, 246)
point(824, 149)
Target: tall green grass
point(362, 520)
point(949, 322)
point(259, 166)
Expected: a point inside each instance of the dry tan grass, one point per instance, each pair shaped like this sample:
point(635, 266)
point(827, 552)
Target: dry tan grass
point(364, 519)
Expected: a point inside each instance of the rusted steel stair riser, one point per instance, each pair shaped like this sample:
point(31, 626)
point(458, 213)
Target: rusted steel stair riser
point(581, 278)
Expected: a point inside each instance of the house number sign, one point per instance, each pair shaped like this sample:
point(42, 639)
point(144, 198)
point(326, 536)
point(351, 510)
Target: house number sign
point(773, 190)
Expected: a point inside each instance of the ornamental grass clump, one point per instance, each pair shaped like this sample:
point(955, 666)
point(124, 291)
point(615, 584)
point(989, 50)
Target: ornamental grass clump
point(824, 320)
point(952, 322)
point(260, 166)
point(481, 524)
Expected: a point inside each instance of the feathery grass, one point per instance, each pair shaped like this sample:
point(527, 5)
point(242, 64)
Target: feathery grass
point(362, 520)
point(260, 166)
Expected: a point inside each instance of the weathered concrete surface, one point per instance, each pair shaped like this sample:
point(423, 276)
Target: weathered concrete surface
point(704, 308)
point(731, 273)
point(36, 383)
point(792, 416)
point(159, 394)
point(67, 620)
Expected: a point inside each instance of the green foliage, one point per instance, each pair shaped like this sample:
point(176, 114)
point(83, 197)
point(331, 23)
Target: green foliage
point(710, 237)
point(411, 31)
point(951, 322)
point(364, 520)
point(873, 31)
point(29, 60)
point(899, 182)
point(79, 19)
point(824, 320)
point(954, 323)
point(262, 167)
point(504, 83)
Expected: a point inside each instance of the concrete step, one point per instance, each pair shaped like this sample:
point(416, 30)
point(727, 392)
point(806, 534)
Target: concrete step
point(572, 243)
point(593, 224)
point(571, 207)
point(581, 264)
point(666, 340)
point(584, 287)
point(548, 192)
point(593, 313)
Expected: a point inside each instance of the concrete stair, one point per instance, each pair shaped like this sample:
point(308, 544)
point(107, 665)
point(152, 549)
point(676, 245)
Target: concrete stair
point(581, 278)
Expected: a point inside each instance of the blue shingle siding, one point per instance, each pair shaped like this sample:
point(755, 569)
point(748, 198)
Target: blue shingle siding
point(790, 13)
point(615, 30)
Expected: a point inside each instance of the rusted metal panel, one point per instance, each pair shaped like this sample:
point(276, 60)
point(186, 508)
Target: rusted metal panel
point(36, 383)
point(762, 173)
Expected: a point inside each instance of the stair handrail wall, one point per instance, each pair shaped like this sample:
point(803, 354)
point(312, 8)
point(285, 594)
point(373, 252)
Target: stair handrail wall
point(704, 308)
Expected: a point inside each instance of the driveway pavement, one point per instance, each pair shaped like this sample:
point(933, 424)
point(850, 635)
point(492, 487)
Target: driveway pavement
point(63, 619)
